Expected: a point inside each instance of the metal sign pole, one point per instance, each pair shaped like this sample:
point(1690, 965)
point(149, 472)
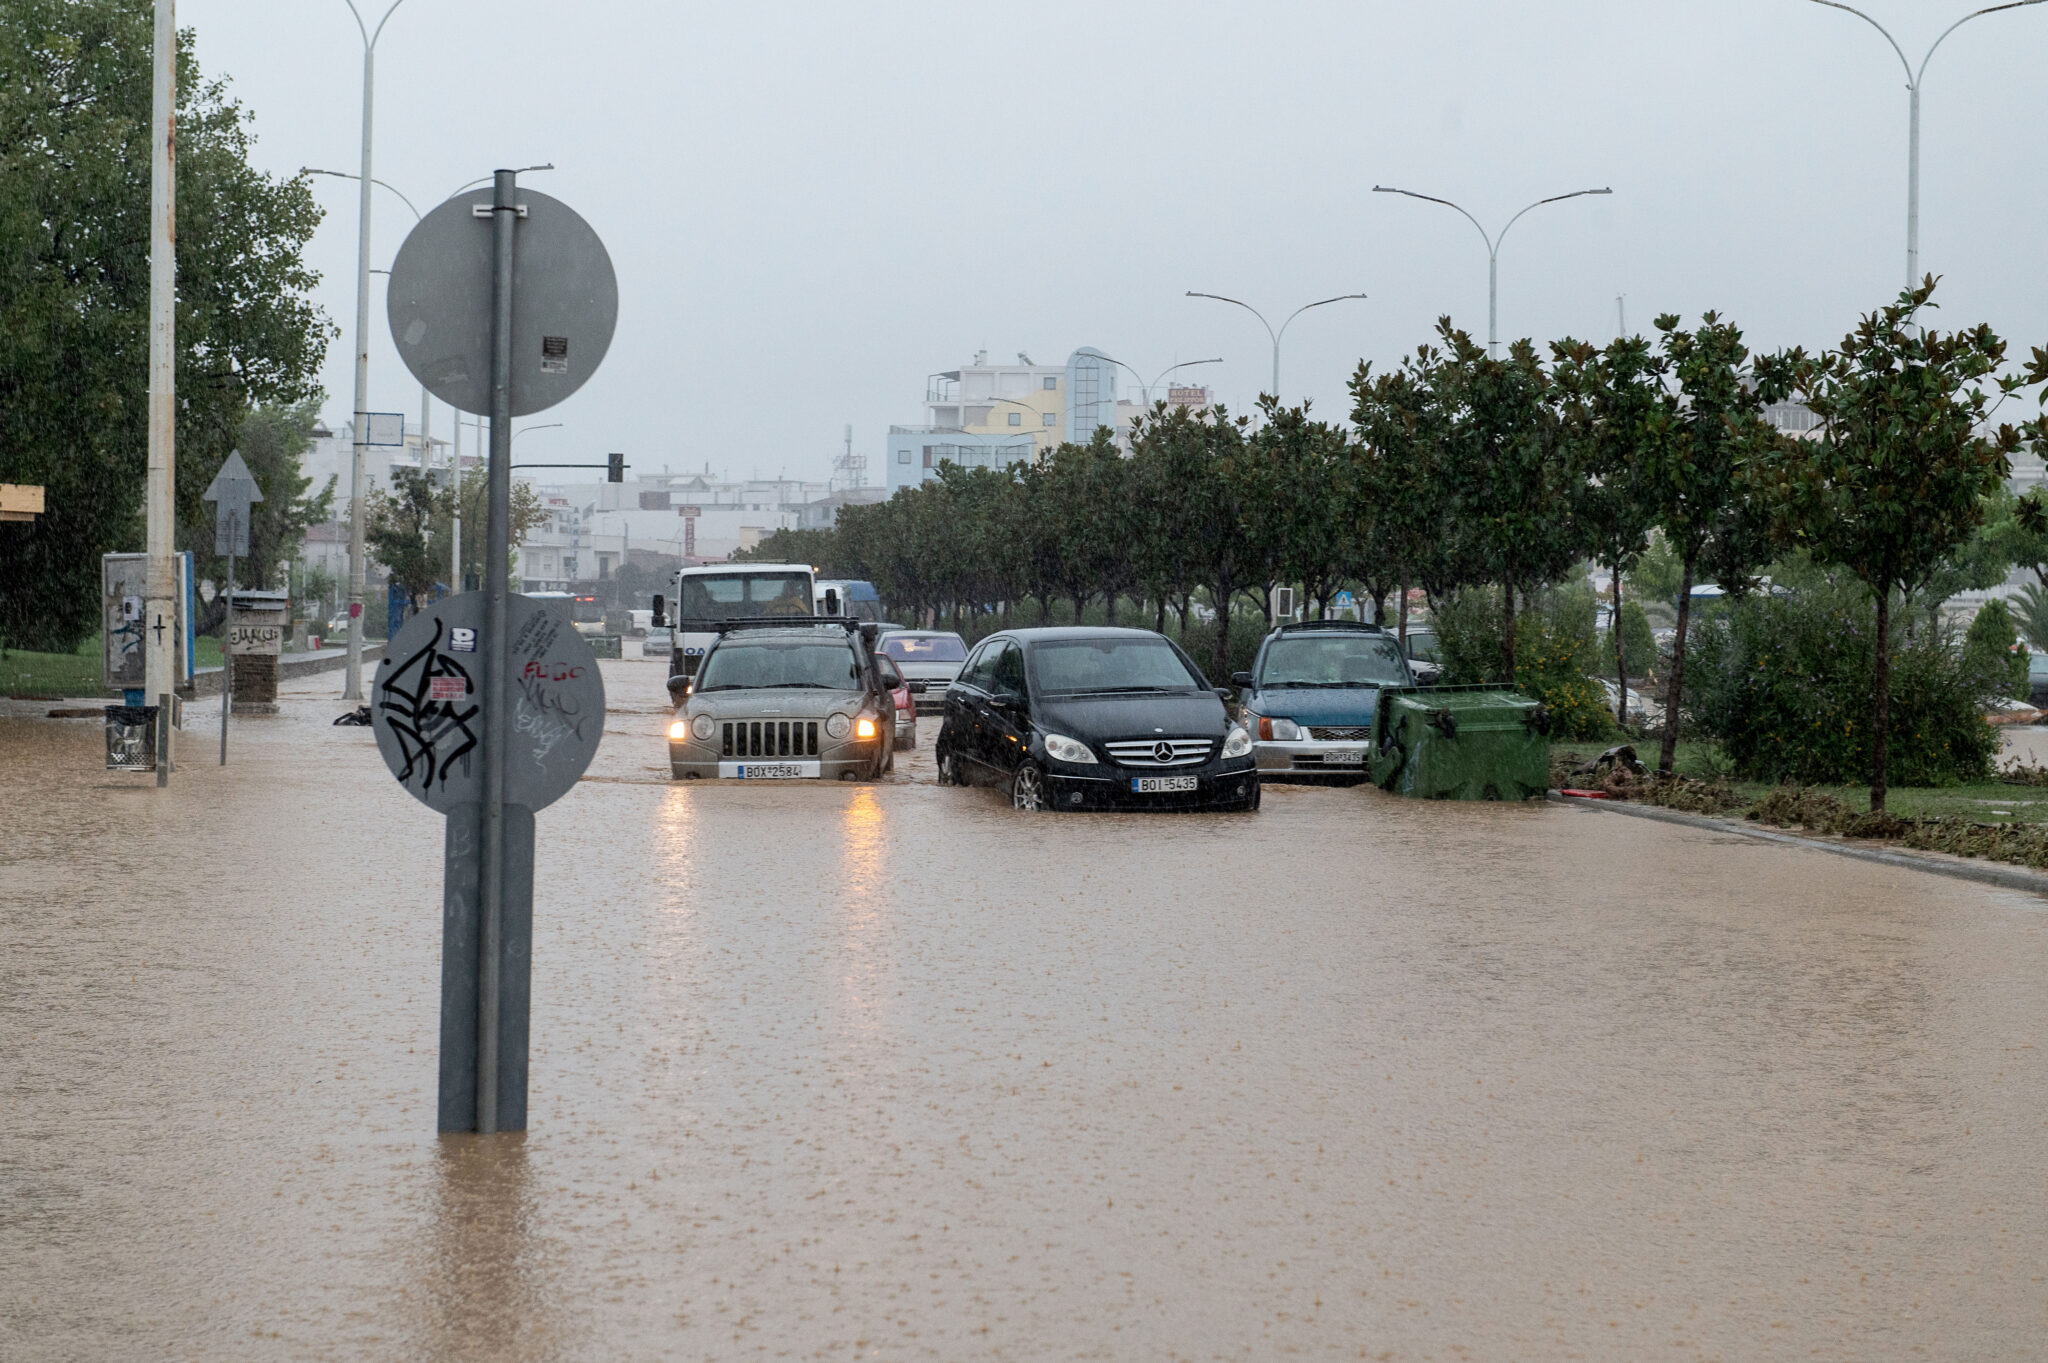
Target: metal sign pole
point(227, 639)
point(497, 568)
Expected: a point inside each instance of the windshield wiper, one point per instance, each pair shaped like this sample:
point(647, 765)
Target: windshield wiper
point(815, 686)
point(1322, 685)
point(1118, 690)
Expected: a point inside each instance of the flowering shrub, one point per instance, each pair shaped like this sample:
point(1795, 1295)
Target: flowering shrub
point(1784, 683)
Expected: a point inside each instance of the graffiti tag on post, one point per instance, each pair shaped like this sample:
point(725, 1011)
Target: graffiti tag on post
point(427, 704)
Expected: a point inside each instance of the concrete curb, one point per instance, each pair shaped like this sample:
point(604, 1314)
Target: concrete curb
point(206, 680)
point(1956, 868)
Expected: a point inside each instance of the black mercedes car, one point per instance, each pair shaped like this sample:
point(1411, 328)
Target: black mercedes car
point(1093, 719)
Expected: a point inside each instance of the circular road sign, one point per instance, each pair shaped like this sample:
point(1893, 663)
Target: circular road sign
point(426, 704)
point(565, 302)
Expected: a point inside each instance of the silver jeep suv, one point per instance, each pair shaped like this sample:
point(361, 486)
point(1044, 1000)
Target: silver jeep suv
point(785, 700)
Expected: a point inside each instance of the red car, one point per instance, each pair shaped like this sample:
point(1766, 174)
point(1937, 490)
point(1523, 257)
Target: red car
point(906, 702)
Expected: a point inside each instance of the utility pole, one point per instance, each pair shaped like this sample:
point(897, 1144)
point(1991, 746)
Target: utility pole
point(160, 609)
point(359, 490)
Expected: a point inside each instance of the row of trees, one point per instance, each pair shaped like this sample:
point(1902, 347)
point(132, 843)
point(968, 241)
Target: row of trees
point(74, 285)
point(1461, 470)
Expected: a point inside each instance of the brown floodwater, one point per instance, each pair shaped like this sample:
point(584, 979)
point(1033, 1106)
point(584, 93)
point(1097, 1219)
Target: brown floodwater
point(891, 1071)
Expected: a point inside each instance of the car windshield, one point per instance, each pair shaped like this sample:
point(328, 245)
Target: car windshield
point(755, 663)
point(1333, 660)
point(925, 648)
point(744, 596)
point(1076, 666)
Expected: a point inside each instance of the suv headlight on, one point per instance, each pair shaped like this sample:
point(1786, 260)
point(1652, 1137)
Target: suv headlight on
point(1060, 748)
point(679, 731)
point(1239, 743)
point(837, 726)
point(703, 726)
point(1280, 731)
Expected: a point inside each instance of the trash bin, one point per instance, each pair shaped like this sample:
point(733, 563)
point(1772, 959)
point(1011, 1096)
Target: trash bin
point(131, 738)
point(1461, 743)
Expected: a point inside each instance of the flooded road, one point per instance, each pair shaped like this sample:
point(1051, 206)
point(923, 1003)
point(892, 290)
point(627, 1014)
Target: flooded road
point(891, 1071)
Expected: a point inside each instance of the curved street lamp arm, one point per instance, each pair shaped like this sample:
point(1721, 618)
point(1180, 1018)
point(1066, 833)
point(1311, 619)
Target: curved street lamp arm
point(488, 178)
point(543, 426)
point(1976, 14)
point(1431, 198)
point(345, 175)
point(1555, 198)
point(381, 22)
point(1317, 304)
point(1170, 368)
point(1246, 306)
point(1911, 79)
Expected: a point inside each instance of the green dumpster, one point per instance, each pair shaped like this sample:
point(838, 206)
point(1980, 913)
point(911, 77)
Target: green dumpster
point(1461, 743)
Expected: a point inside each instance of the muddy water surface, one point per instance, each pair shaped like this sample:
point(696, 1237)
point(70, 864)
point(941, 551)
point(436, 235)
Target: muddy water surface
point(890, 1071)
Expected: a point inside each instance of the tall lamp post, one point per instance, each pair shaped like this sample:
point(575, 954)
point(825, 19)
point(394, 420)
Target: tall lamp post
point(1492, 250)
point(1146, 388)
point(1913, 118)
point(1276, 335)
point(352, 688)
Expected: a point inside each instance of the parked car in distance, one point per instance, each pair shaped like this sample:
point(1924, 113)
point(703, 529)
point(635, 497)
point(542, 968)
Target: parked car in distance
point(2037, 679)
point(660, 639)
point(782, 700)
point(903, 693)
point(1425, 660)
point(1648, 709)
point(931, 656)
point(1093, 718)
point(1310, 697)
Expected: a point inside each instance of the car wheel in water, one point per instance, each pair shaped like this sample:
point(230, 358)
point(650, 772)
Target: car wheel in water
point(1027, 788)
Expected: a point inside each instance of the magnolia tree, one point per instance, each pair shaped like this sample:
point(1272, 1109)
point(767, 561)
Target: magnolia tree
point(1904, 461)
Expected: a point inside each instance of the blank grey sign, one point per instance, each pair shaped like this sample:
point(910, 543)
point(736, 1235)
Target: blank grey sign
point(565, 302)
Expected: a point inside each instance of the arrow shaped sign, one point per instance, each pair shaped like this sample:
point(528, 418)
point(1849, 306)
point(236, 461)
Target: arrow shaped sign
point(232, 491)
point(227, 485)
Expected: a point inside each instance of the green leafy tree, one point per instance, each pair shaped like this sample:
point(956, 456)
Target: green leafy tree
point(818, 547)
point(1693, 449)
point(1904, 462)
point(1508, 487)
point(75, 89)
point(1401, 423)
point(272, 444)
point(398, 529)
point(1993, 649)
point(1611, 401)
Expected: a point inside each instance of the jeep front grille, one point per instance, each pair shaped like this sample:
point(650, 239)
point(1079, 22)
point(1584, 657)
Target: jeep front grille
point(1144, 752)
point(1323, 734)
point(769, 738)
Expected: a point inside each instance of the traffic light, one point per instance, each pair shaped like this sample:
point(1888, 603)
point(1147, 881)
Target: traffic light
point(615, 468)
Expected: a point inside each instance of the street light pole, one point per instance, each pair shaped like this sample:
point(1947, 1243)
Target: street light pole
point(1913, 118)
point(1146, 388)
point(352, 688)
point(1276, 335)
point(1492, 250)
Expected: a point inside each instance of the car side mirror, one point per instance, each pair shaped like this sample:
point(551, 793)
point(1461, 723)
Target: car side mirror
point(1223, 693)
point(660, 616)
point(1241, 680)
point(831, 601)
point(917, 688)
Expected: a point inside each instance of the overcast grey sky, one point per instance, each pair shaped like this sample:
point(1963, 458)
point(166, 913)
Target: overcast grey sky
point(813, 206)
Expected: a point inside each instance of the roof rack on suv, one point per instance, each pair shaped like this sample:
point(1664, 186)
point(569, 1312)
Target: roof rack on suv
point(846, 623)
point(1365, 626)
